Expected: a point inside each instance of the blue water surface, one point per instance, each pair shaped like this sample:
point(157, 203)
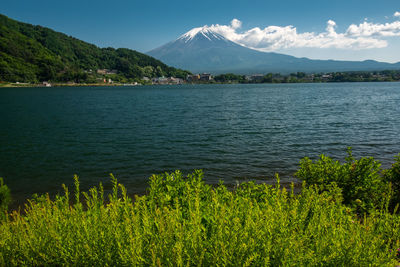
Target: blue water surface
point(232, 132)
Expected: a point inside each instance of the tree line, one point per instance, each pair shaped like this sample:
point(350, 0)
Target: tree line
point(33, 54)
point(301, 77)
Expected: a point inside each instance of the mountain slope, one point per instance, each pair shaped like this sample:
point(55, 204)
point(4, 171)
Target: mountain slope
point(202, 50)
point(31, 53)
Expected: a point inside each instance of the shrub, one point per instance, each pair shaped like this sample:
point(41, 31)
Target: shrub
point(5, 198)
point(392, 176)
point(184, 222)
point(361, 181)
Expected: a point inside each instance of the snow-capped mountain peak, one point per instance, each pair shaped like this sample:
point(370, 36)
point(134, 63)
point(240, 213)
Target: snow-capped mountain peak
point(204, 32)
point(204, 49)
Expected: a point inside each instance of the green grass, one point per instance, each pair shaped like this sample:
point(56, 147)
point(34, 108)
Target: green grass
point(182, 222)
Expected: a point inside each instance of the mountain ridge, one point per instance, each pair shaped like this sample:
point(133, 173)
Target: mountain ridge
point(204, 50)
point(32, 53)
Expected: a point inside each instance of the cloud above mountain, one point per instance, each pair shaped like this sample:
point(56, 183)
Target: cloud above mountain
point(365, 35)
point(367, 29)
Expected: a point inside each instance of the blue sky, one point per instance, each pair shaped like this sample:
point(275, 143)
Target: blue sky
point(144, 25)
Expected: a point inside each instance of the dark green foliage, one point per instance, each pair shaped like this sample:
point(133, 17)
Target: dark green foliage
point(31, 53)
point(230, 78)
point(361, 181)
point(392, 176)
point(301, 77)
point(5, 198)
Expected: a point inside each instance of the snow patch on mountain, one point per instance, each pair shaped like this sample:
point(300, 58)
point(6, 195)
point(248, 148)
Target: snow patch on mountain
point(204, 31)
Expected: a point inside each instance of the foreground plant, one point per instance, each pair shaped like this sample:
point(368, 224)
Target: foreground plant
point(5, 198)
point(183, 221)
point(392, 176)
point(365, 186)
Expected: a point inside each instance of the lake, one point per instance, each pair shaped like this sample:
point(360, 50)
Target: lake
point(232, 132)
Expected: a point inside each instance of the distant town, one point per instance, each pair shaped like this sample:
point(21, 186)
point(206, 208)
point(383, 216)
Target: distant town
point(109, 77)
point(299, 77)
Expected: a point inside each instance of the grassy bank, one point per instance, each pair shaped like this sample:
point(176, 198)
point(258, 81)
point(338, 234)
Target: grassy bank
point(183, 221)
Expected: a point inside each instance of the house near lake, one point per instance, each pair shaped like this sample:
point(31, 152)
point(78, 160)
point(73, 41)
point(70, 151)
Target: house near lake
point(106, 71)
point(164, 80)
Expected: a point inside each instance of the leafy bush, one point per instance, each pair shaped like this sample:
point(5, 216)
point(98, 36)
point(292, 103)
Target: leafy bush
point(183, 221)
point(392, 176)
point(361, 181)
point(5, 198)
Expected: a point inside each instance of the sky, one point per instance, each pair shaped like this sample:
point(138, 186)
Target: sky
point(342, 30)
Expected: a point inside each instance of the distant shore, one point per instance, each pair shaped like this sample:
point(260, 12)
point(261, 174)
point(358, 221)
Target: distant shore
point(25, 85)
point(16, 85)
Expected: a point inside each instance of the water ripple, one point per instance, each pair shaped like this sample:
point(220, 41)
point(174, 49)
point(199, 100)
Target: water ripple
point(231, 131)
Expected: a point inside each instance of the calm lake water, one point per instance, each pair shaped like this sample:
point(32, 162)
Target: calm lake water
point(232, 132)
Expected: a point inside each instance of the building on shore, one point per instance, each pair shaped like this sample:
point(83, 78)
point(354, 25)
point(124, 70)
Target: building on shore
point(255, 77)
point(106, 71)
point(326, 77)
point(173, 80)
point(46, 84)
point(206, 77)
point(193, 78)
point(159, 80)
point(164, 80)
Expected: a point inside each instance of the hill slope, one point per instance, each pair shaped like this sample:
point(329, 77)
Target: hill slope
point(202, 50)
point(31, 53)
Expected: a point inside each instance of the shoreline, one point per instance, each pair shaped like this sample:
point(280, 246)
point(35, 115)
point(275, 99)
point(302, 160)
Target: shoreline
point(25, 85)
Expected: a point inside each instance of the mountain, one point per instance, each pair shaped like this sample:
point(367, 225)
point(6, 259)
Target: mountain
point(203, 50)
point(31, 53)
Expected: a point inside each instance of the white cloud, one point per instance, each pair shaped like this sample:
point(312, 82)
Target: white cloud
point(330, 28)
point(277, 37)
point(396, 14)
point(367, 29)
point(366, 35)
point(236, 24)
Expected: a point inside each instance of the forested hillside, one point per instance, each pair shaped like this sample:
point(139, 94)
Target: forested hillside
point(30, 53)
